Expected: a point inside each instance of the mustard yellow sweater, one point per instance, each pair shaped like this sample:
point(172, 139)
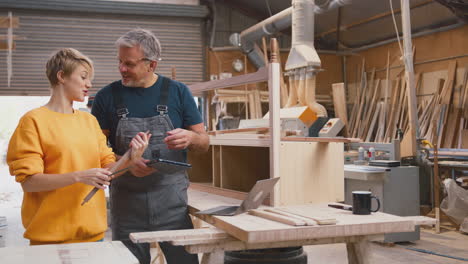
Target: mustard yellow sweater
point(54, 143)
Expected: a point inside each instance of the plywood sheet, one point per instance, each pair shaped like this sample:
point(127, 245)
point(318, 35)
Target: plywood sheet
point(90, 253)
point(311, 172)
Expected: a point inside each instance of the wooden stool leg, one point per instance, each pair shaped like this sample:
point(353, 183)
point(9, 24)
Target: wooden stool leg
point(157, 256)
point(358, 252)
point(214, 257)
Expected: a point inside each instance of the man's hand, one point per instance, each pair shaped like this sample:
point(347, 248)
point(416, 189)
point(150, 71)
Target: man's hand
point(179, 139)
point(140, 169)
point(139, 144)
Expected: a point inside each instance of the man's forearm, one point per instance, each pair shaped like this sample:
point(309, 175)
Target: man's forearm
point(200, 142)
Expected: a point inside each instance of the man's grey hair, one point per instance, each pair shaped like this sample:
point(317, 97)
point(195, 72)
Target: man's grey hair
point(148, 42)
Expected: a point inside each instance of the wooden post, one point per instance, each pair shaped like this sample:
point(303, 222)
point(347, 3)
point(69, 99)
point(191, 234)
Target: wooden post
point(436, 179)
point(246, 104)
point(274, 108)
point(409, 75)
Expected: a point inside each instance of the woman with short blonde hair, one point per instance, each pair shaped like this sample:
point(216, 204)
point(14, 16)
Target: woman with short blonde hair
point(59, 154)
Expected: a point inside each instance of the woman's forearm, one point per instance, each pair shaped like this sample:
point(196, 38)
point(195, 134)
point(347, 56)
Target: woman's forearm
point(47, 182)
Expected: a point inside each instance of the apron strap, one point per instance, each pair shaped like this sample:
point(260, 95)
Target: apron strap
point(162, 106)
point(120, 108)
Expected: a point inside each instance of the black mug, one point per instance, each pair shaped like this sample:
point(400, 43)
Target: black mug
point(362, 203)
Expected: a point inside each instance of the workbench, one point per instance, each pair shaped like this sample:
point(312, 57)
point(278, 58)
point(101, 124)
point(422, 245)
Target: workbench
point(244, 231)
point(77, 253)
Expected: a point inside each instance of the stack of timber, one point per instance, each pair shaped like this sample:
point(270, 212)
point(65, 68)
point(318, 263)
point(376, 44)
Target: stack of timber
point(379, 112)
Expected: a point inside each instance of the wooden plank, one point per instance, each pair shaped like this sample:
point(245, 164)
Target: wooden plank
point(376, 114)
point(372, 111)
point(362, 102)
point(181, 234)
point(277, 217)
point(464, 142)
point(75, 253)
point(293, 97)
point(421, 220)
point(240, 140)
point(307, 221)
point(237, 92)
point(465, 96)
point(321, 220)
point(318, 139)
point(258, 104)
point(255, 130)
point(216, 162)
point(260, 75)
point(392, 120)
point(301, 87)
point(451, 128)
point(446, 95)
point(240, 245)
point(339, 104)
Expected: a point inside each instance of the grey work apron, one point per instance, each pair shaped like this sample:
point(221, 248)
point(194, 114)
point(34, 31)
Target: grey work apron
point(154, 202)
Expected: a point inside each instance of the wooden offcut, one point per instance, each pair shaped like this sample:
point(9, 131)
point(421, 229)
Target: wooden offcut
point(277, 217)
point(5, 22)
point(339, 104)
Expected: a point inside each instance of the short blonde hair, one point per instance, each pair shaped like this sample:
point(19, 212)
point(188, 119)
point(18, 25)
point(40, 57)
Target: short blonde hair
point(66, 60)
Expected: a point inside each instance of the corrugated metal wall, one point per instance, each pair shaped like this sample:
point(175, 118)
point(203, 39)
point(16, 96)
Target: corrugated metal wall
point(94, 35)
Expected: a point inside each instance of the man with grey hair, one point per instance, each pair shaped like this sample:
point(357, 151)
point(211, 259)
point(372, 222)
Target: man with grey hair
point(149, 197)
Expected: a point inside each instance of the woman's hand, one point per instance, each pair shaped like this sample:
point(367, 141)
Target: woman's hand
point(97, 177)
point(138, 145)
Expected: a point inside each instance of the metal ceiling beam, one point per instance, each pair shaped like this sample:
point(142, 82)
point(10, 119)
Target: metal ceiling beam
point(414, 35)
point(108, 7)
point(370, 19)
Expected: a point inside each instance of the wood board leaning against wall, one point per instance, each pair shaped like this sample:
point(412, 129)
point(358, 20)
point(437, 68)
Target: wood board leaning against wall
point(441, 73)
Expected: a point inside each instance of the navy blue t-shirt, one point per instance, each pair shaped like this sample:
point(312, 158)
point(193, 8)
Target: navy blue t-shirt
point(142, 102)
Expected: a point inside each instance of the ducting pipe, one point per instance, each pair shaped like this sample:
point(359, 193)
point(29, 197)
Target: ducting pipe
point(329, 5)
point(303, 59)
point(302, 52)
point(270, 26)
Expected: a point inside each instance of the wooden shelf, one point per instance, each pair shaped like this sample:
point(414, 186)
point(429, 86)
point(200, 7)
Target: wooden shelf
point(310, 172)
point(259, 76)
